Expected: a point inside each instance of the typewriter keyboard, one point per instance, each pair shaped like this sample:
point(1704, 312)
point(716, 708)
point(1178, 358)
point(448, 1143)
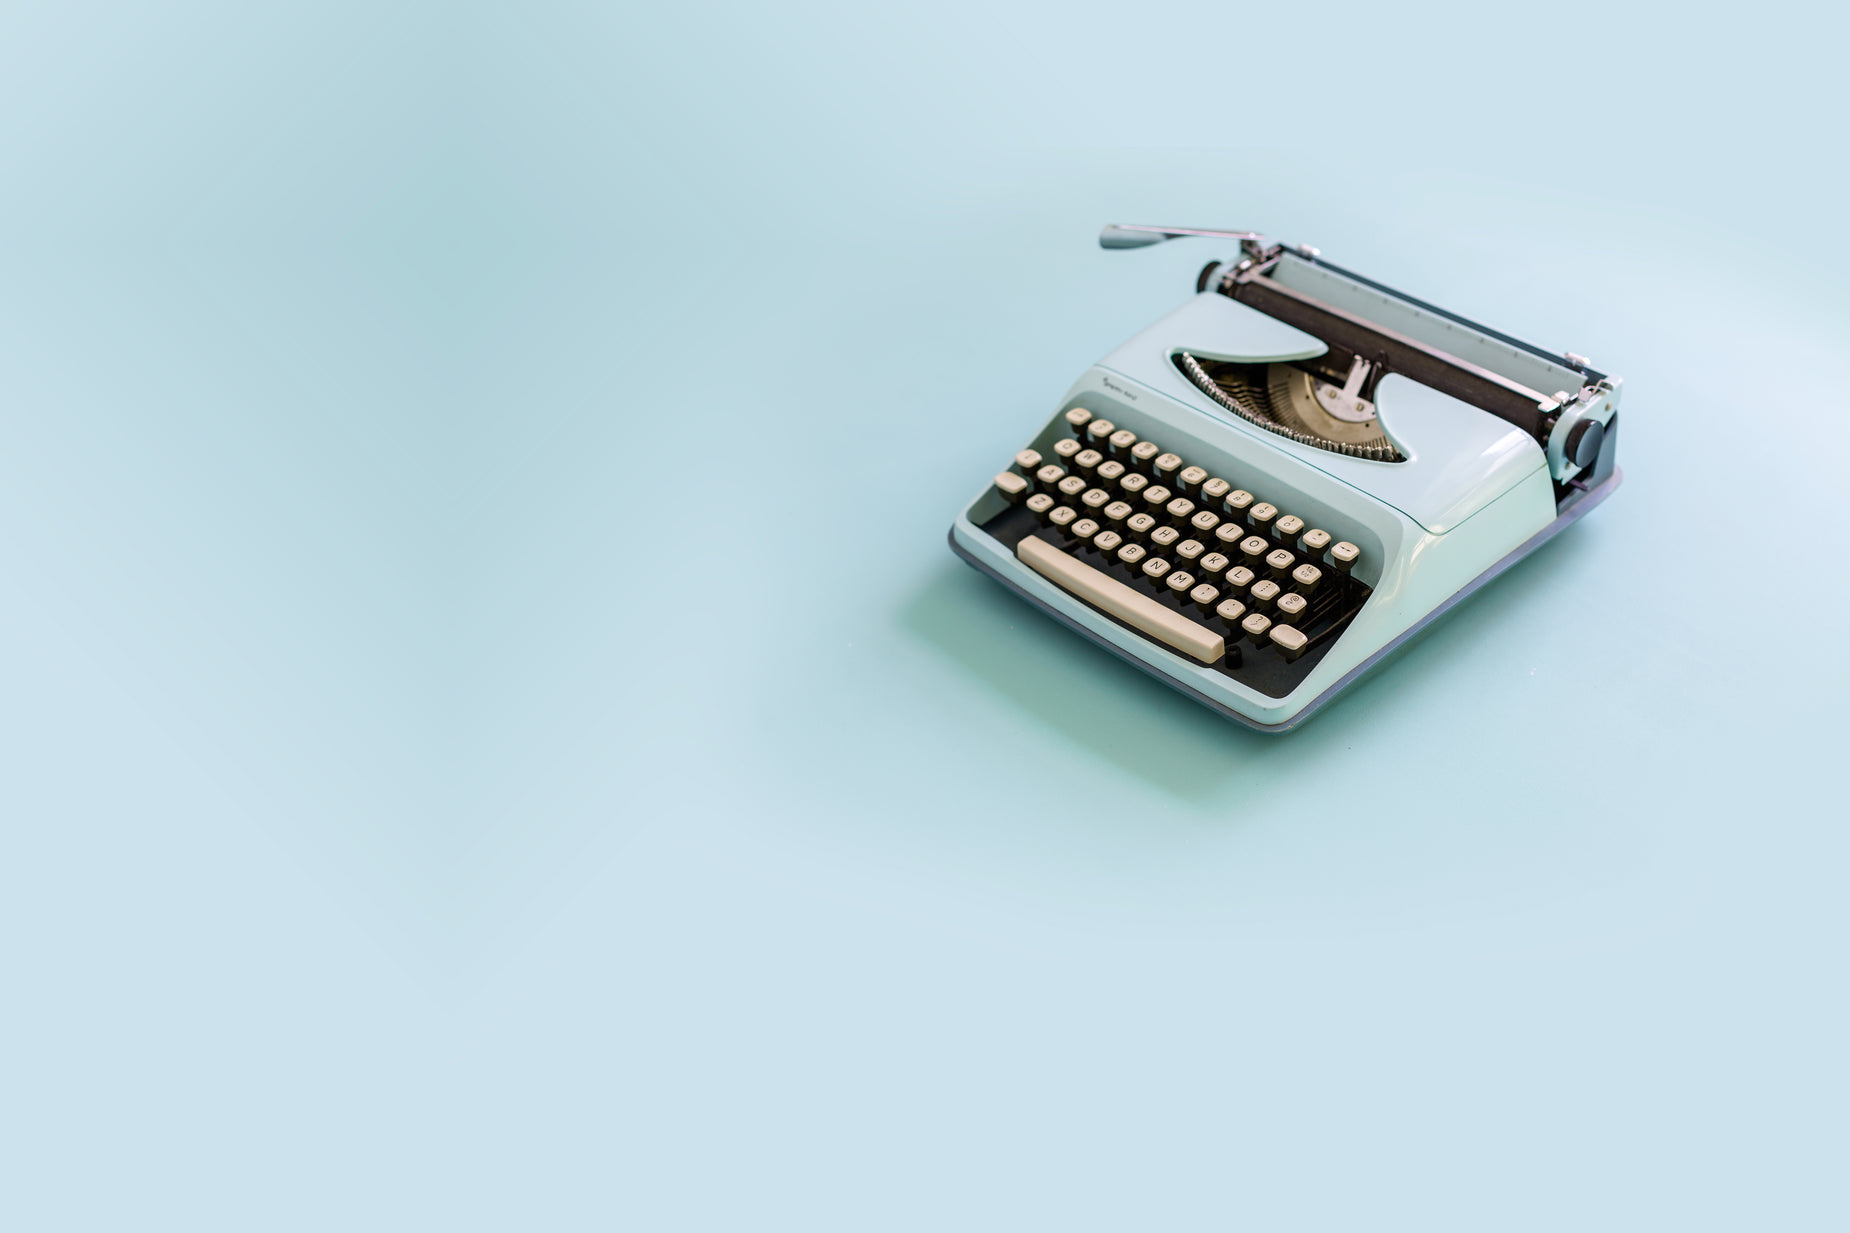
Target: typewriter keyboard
point(1182, 557)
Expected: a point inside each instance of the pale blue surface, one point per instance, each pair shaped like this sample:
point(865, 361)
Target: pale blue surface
point(377, 857)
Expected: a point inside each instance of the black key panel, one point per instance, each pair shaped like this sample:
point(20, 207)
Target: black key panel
point(1262, 666)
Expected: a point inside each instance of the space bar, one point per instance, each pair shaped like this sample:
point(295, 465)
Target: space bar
point(1103, 591)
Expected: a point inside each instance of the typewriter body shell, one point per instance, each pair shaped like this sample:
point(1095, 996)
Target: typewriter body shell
point(1470, 494)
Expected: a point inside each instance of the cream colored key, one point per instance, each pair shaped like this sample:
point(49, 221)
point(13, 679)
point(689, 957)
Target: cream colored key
point(1095, 499)
point(1011, 485)
point(1237, 503)
point(1072, 485)
point(1139, 524)
point(1239, 577)
point(1144, 451)
point(1040, 503)
point(1121, 442)
point(1264, 592)
point(1107, 541)
point(1028, 460)
point(1344, 556)
point(1133, 483)
point(1165, 466)
point(1215, 491)
point(1204, 521)
point(1212, 564)
point(1255, 625)
point(1260, 516)
point(1291, 606)
point(1110, 472)
point(1204, 595)
point(1189, 551)
point(1279, 561)
point(1117, 512)
point(1189, 479)
point(1155, 497)
point(1066, 447)
point(1098, 432)
point(1306, 577)
point(1289, 641)
point(1227, 537)
point(1130, 554)
point(1230, 610)
point(1252, 551)
point(1085, 528)
point(1179, 581)
point(1064, 516)
point(1078, 418)
point(1086, 460)
point(1140, 612)
point(1315, 542)
point(1154, 568)
point(1179, 510)
point(1162, 537)
point(1049, 475)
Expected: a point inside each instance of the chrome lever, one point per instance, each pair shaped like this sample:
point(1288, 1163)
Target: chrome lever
point(1139, 235)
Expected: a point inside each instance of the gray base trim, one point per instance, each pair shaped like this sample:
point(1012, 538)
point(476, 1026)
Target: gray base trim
point(1571, 512)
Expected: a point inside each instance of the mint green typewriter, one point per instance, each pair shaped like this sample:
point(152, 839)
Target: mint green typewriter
point(1272, 489)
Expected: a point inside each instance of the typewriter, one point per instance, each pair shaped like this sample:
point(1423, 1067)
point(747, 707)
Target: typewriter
point(1268, 492)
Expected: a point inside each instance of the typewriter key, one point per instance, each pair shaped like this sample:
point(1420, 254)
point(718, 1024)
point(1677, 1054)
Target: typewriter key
point(1110, 472)
point(1306, 577)
point(1084, 529)
point(1163, 537)
point(1344, 556)
point(1121, 442)
point(1237, 503)
point(1078, 418)
point(1130, 554)
point(1212, 564)
point(1279, 562)
point(1165, 467)
point(1071, 486)
point(1255, 627)
point(1215, 490)
point(1048, 476)
point(1011, 485)
point(1261, 515)
point(1264, 592)
point(1117, 512)
point(1139, 524)
point(1133, 483)
point(1098, 433)
point(1239, 577)
point(1063, 516)
point(1179, 510)
point(1291, 606)
point(1288, 528)
point(1204, 521)
point(1189, 480)
point(1315, 542)
point(1143, 452)
point(1027, 461)
point(1179, 582)
point(1154, 568)
point(1087, 460)
point(1190, 551)
point(1230, 610)
point(1204, 595)
point(1155, 497)
point(1290, 642)
point(1066, 447)
point(1041, 505)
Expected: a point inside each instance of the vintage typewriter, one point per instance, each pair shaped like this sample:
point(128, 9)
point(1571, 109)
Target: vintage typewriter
point(1273, 488)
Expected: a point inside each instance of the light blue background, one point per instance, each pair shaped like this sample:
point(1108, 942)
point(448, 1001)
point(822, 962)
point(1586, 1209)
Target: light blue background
point(494, 738)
